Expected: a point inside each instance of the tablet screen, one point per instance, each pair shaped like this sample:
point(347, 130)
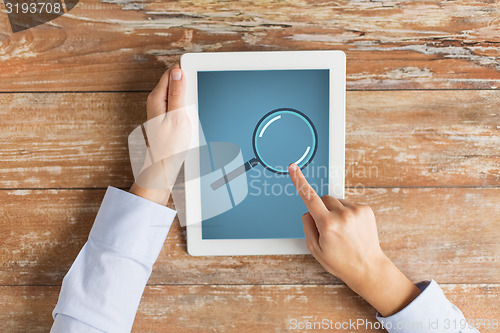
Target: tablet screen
point(232, 106)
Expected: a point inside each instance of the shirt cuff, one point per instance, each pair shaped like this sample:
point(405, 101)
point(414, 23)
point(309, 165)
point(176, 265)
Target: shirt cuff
point(131, 225)
point(429, 312)
point(66, 324)
point(103, 287)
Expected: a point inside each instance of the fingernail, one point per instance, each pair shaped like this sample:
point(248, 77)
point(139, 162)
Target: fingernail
point(176, 74)
point(292, 167)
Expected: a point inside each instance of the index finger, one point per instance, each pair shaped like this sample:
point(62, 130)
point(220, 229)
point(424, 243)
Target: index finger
point(311, 199)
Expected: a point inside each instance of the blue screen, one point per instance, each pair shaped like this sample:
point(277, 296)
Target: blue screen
point(230, 106)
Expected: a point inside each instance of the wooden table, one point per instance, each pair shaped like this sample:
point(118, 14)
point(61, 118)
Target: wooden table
point(422, 149)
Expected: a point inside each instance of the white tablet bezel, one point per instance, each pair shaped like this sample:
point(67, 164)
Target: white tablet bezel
point(191, 63)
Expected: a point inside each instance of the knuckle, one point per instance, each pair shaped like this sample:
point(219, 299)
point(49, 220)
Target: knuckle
point(357, 210)
point(151, 96)
point(308, 192)
point(310, 246)
point(367, 209)
point(330, 227)
point(152, 100)
point(175, 92)
point(364, 210)
point(347, 215)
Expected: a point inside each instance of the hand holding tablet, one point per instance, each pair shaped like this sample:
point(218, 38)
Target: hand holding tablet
point(164, 112)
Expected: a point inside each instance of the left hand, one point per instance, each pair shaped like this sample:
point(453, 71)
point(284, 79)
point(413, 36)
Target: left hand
point(168, 95)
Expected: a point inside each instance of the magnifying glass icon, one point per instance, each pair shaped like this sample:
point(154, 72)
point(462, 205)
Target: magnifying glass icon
point(281, 137)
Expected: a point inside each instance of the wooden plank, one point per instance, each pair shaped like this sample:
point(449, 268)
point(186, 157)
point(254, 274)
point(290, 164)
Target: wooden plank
point(68, 140)
point(449, 234)
point(242, 308)
point(394, 138)
point(126, 45)
point(423, 138)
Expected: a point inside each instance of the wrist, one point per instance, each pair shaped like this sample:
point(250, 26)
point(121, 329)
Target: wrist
point(368, 273)
point(384, 286)
point(159, 196)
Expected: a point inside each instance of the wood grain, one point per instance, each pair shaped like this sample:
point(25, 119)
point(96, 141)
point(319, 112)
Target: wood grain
point(125, 45)
point(449, 234)
point(242, 308)
point(426, 161)
point(394, 138)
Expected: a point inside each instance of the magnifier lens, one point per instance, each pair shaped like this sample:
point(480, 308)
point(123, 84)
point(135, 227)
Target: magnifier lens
point(284, 137)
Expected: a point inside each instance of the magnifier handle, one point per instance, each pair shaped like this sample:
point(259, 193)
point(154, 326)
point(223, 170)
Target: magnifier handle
point(233, 174)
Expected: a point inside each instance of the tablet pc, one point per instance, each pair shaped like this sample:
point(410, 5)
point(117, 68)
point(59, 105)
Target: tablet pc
point(247, 98)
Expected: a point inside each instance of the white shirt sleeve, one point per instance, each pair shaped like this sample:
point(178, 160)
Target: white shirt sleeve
point(103, 288)
point(430, 312)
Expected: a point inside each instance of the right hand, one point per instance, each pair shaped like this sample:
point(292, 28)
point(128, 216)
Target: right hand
point(341, 235)
point(343, 238)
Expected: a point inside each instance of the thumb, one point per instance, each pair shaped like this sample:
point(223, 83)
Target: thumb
point(176, 89)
